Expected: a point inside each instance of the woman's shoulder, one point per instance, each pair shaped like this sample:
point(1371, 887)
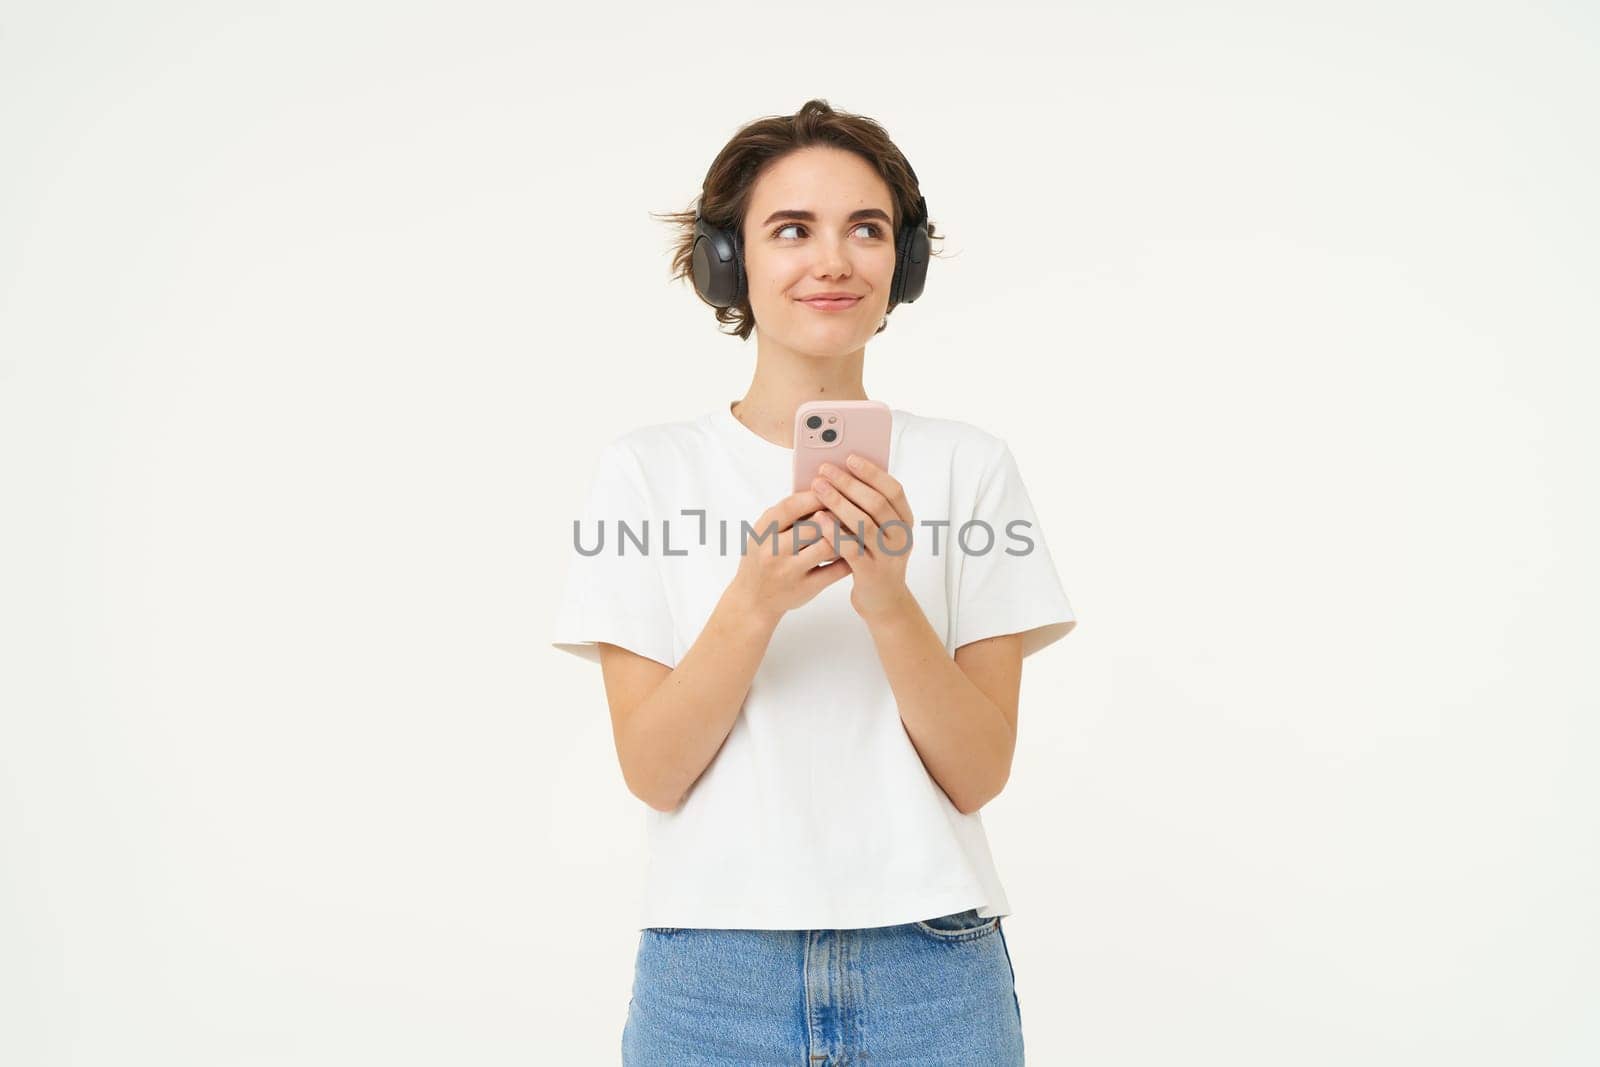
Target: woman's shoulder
point(930, 433)
point(658, 439)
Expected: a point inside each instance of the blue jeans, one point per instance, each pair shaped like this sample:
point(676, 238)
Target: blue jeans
point(939, 992)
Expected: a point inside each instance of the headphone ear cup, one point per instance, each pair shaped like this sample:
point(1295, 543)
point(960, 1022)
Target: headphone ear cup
point(914, 272)
point(911, 249)
point(718, 264)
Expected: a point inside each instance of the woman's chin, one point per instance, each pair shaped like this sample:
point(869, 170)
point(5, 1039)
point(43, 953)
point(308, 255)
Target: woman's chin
point(826, 341)
point(829, 349)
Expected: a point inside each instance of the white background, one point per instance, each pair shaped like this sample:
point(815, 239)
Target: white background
point(314, 316)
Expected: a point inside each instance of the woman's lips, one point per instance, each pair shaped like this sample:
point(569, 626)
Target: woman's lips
point(832, 305)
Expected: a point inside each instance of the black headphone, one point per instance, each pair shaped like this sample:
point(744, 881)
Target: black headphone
point(719, 259)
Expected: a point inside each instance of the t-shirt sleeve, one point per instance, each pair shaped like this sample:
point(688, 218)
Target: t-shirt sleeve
point(1012, 588)
point(615, 594)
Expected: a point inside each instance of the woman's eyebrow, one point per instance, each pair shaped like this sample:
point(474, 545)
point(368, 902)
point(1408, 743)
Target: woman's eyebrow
point(811, 216)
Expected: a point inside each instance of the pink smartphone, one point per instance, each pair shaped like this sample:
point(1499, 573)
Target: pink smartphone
point(826, 431)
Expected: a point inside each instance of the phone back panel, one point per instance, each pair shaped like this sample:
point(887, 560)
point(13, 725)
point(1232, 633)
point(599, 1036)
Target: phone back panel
point(859, 426)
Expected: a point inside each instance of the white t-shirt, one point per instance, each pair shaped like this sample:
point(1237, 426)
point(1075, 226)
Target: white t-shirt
point(817, 812)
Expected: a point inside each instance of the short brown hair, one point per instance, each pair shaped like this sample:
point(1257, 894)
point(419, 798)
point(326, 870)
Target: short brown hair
point(725, 193)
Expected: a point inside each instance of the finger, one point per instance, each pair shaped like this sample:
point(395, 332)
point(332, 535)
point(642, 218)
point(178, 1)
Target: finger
point(820, 551)
point(786, 511)
point(823, 549)
point(773, 535)
point(864, 496)
point(885, 484)
point(842, 539)
point(805, 535)
point(858, 522)
point(797, 506)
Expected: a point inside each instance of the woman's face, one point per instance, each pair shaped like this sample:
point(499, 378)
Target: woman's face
point(845, 245)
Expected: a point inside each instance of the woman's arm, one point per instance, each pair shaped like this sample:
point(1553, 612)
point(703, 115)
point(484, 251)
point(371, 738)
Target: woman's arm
point(668, 722)
point(961, 712)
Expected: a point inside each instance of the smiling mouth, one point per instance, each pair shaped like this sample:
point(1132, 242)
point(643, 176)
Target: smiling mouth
point(832, 305)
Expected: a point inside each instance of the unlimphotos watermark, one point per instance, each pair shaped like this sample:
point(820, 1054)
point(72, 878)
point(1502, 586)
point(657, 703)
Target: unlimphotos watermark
point(963, 537)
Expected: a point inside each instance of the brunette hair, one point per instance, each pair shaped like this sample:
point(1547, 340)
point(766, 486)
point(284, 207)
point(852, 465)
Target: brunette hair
point(725, 193)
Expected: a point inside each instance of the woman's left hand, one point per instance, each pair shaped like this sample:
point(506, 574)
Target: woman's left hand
point(871, 504)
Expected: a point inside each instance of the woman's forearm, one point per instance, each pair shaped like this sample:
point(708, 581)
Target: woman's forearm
point(674, 734)
point(963, 738)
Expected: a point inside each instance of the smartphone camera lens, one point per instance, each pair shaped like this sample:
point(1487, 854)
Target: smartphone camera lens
point(829, 435)
point(814, 421)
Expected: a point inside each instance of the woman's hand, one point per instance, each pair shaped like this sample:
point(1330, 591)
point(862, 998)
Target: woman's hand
point(870, 504)
point(780, 572)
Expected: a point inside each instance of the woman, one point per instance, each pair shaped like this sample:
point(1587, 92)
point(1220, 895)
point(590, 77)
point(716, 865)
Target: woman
point(813, 739)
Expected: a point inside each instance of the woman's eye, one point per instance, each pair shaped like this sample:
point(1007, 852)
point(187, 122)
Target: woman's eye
point(877, 231)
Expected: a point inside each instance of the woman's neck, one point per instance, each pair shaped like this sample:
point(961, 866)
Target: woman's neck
point(785, 379)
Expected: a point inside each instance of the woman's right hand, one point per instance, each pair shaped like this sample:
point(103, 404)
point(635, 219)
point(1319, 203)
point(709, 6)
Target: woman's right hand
point(776, 580)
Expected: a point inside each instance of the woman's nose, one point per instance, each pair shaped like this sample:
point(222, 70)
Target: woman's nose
point(832, 259)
